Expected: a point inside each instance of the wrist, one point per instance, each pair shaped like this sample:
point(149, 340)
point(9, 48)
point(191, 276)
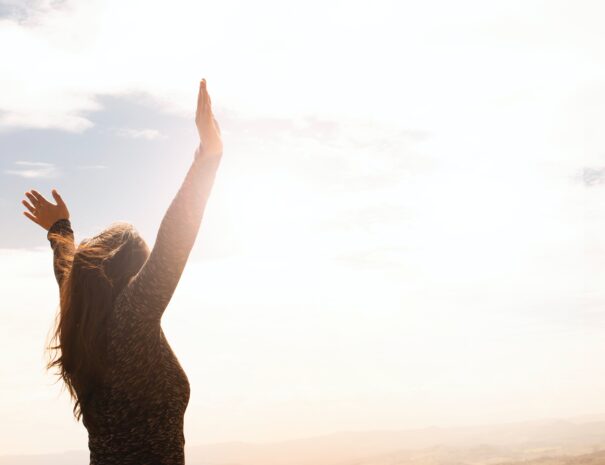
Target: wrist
point(60, 226)
point(210, 158)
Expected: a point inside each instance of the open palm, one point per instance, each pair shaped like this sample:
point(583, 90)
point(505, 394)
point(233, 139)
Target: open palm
point(207, 126)
point(43, 212)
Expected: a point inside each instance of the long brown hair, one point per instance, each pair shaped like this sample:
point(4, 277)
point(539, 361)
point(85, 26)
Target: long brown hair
point(94, 275)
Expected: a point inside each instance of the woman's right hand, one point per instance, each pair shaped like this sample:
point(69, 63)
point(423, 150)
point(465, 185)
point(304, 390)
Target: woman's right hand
point(42, 212)
point(207, 126)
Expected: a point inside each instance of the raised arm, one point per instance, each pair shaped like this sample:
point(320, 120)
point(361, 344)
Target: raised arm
point(151, 289)
point(54, 218)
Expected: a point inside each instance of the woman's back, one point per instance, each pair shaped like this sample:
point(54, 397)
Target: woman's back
point(137, 415)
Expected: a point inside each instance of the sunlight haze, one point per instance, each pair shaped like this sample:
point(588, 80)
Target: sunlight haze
point(407, 228)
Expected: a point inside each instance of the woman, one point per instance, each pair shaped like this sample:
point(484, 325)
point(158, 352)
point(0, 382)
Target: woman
point(126, 383)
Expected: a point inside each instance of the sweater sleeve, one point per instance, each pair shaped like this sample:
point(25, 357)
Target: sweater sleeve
point(151, 289)
point(61, 238)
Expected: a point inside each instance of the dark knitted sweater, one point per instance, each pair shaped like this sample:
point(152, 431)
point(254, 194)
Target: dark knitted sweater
point(136, 416)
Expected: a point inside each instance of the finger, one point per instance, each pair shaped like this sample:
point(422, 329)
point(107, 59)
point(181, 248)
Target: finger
point(31, 217)
point(39, 196)
point(200, 99)
point(33, 199)
point(28, 206)
point(204, 96)
point(57, 197)
point(208, 107)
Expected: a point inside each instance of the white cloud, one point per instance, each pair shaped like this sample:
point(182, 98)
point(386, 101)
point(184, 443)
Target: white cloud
point(592, 176)
point(33, 163)
point(424, 65)
point(92, 167)
point(34, 170)
point(149, 134)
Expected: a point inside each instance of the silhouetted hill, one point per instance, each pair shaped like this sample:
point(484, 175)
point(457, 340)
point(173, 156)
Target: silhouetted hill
point(532, 443)
point(597, 458)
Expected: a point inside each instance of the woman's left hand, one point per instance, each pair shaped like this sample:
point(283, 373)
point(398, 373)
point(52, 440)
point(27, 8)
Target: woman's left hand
point(43, 212)
point(207, 126)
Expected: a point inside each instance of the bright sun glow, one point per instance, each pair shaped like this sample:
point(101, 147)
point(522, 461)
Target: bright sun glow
point(406, 229)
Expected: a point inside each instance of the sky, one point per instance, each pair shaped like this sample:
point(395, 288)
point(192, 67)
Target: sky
point(405, 230)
